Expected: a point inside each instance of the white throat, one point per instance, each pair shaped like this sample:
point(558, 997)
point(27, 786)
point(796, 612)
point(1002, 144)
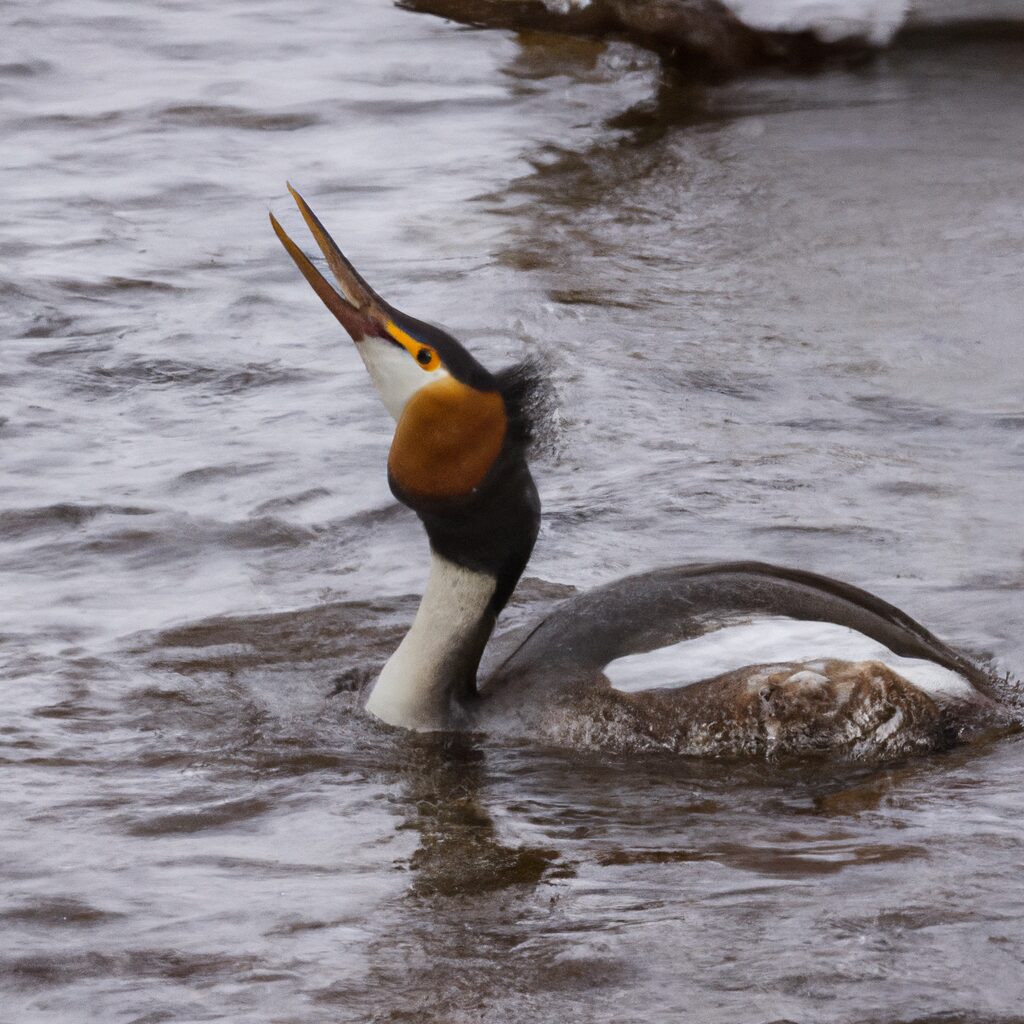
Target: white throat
point(417, 686)
point(395, 374)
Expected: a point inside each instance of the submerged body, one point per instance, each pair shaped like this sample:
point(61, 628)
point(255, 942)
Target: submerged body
point(676, 660)
point(458, 459)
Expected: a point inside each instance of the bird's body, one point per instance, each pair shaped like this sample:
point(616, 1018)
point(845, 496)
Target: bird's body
point(458, 459)
point(736, 658)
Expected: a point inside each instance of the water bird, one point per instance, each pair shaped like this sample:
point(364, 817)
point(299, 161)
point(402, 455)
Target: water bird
point(724, 659)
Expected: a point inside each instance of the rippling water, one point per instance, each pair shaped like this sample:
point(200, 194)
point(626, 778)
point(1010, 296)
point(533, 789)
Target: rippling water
point(784, 320)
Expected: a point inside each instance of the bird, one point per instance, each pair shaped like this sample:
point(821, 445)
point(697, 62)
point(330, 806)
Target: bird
point(689, 659)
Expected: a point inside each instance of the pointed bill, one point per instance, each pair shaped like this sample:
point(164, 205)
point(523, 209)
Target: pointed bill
point(354, 288)
point(358, 309)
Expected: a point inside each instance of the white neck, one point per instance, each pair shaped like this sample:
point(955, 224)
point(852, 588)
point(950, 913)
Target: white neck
point(441, 651)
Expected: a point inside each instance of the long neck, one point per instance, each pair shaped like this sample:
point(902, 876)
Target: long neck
point(435, 666)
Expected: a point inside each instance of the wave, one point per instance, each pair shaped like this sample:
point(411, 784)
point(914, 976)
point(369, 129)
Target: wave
point(24, 522)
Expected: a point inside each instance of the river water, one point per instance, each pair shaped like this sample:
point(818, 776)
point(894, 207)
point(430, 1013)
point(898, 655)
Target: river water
point(783, 320)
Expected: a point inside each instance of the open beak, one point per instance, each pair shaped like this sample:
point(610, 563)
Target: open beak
point(359, 309)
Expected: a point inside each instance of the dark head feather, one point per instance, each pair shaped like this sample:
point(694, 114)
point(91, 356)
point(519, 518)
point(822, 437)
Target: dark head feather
point(529, 402)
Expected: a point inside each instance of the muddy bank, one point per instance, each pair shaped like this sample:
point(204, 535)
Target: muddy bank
point(709, 40)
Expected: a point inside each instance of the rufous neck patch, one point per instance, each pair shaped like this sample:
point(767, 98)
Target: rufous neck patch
point(447, 439)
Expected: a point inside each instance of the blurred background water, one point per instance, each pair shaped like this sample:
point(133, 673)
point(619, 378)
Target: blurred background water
point(783, 317)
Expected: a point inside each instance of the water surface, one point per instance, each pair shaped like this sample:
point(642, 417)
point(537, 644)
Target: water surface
point(783, 317)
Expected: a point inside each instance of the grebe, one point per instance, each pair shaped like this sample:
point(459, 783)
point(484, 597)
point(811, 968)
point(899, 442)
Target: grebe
point(458, 460)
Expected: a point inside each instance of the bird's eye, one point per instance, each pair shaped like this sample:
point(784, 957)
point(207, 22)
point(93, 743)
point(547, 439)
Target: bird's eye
point(428, 359)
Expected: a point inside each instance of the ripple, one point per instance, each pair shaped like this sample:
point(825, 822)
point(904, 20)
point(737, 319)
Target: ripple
point(66, 968)
point(731, 384)
point(838, 530)
point(297, 637)
point(181, 534)
point(1009, 421)
point(626, 857)
point(24, 522)
point(788, 862)
point(267, 532)
point(201, 115)
point(287, 501)
point(591, 297)
point(49, 324)
point(215, 474)
point(915, 488)
point(25, 69)
point(64, 122)
point(74, 710)
point(57, 912)
point(171, 373)
point(200, 819)
point(166, 538)
point(389, 110)
point(906, 413)
point(113, 285)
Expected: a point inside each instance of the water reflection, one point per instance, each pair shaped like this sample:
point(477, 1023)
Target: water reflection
point(460, 852)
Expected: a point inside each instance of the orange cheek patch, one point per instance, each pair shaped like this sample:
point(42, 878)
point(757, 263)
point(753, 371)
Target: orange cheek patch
point(447, 439)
